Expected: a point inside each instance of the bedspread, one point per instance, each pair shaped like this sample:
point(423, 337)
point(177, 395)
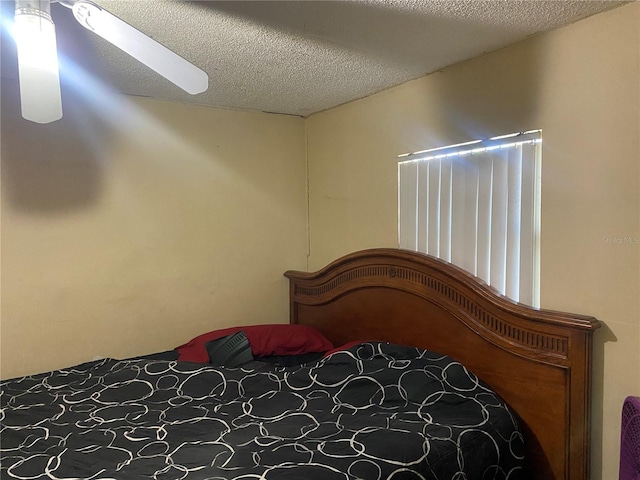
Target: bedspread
point(375, 411)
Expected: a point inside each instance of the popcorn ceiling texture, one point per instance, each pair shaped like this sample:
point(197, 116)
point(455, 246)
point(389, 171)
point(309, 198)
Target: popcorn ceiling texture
point(301, 57)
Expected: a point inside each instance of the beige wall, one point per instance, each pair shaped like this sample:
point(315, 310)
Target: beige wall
point(133, 227)
point(581, 85)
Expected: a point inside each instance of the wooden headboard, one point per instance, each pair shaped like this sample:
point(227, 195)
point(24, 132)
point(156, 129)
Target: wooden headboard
point(539, 361)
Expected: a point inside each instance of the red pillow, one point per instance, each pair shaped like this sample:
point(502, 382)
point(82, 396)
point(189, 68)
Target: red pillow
point(265, 340)
point(346, 346)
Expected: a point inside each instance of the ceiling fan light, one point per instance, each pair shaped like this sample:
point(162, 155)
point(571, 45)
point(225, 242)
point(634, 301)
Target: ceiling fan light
point(35, 37)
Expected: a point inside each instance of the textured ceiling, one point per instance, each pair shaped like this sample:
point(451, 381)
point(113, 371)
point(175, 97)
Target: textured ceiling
point(301, 57)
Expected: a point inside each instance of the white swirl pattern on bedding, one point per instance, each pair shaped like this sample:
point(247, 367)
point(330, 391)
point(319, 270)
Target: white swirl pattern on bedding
point(376, 411)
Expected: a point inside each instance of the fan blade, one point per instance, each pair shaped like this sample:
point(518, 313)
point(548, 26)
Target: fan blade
point(141, 47)
point(35, 37)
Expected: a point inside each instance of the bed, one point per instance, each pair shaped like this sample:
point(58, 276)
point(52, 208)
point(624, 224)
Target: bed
point(434, 377)
point(538, 361)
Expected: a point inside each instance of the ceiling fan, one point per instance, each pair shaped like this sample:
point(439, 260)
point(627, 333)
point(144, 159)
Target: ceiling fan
point(38, 58)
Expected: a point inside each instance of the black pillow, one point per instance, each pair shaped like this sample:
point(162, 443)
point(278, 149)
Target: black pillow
point(291, 360)
point(230, 351)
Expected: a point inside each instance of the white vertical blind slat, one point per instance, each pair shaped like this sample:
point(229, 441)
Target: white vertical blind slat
point(433, 227)
point(458, 218)
point(423, 206)
point(499, 220)
point(528, 222)
point(485, 194)
point(514, 213)
point(537, 154)
point(470, 213)
point(445, 210)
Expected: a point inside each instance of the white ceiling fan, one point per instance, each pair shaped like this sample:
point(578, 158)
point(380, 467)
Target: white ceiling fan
point(38, 59)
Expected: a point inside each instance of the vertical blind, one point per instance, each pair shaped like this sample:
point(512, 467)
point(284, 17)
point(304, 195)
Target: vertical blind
point(477, 205)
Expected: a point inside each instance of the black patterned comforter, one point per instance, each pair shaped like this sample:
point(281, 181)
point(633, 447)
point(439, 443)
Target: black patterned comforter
point(376, 411)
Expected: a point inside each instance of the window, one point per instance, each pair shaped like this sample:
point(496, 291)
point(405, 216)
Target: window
point(477, 205)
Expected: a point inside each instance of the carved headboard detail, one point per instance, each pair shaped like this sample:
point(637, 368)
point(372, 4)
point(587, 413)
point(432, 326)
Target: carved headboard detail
point(432, 288)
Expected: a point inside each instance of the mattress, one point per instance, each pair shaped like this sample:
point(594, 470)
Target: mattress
point(374, 411)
